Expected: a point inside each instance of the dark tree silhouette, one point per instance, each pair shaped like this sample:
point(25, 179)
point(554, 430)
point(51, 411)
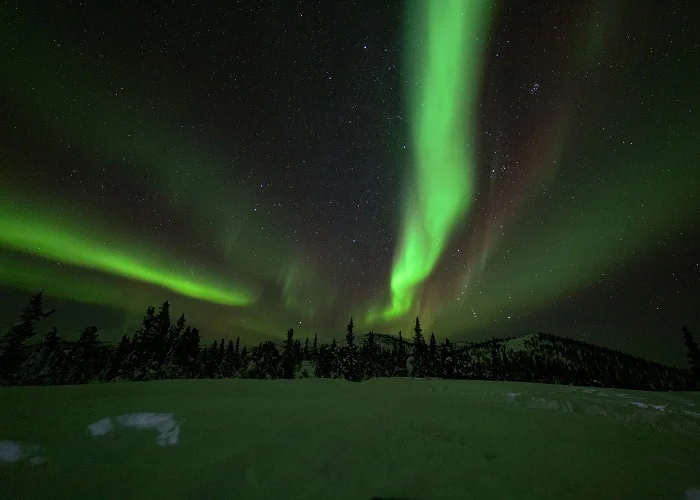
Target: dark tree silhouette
point(118, 358)
point(370, 355)
point(13, 353)
point(447, 360)
point(53, 360)
point(176, 331)
point(432, 357)
point(335, 360)
point(266, 361)
point(243, 361)
point(161, 334)
point(324, 362)
point(229, 362)
point(160, 349)
point(142, 348)
point(187, 353)
point(297, 353)
point(401, 357)
point(85, 358)
point(44, 364)
point(418, 369)
point(219, 368)
point(693, 353)
point(289, 362)
point(237, 358)
point(349, 358)
point(210, 360)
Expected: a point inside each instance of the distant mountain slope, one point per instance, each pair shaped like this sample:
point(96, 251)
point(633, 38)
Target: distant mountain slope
point(542, 357)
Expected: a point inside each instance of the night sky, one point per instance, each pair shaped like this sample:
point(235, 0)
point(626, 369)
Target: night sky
point(496, 168)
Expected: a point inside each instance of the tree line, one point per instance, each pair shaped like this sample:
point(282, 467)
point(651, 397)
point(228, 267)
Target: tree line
point(162, 349)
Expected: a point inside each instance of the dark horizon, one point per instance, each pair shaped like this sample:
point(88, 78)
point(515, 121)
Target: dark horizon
point(677, 358)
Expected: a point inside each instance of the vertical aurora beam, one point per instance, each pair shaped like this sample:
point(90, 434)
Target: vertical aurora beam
point(442, 105)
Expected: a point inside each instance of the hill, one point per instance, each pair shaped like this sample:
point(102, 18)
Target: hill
point(547, 358)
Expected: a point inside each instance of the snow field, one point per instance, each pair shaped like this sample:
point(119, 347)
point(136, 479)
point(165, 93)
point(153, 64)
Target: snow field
point(316, 438)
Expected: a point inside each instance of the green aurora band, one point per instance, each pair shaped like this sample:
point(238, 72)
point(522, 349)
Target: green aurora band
point(32, 233)
point(82, 105)
point(443, 136)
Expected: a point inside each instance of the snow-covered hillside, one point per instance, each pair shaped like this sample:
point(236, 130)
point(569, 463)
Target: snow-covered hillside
point(321, 438)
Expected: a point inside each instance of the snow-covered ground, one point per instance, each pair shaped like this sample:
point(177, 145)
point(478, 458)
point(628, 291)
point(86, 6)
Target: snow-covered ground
point(311, 438)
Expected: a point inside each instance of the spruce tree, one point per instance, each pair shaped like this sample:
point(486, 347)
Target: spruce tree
point(171, 366)
point(448, 360)
point(51, 359)
point(50, 344)
point(335, 370)
point(236, 358)
point(118, 358)
point(370, 357)
point(349, 355)
point(323, 366)
point(13, 353)
point(297, 353)
point(349, 336)
point(266, 361)
point(419, 352)
point(85, 357)
point(219, 368)
point(288, 363)
point(693, 353)
point(176, 332)
point(211, 363)
point(143, 347)
point(432, 356)
point(496, 363)
point(162, 334)
point(192, 351)
point(229, 360)
point(243, 362)
point(400, 356)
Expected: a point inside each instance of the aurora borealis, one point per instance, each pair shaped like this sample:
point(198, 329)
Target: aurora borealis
point(443, 159)
point(494, 168)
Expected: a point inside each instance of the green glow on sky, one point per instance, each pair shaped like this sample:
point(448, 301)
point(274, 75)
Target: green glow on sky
point(304, 291)
point(34, 231)
point(593, 38)
point(448, 68)
point(81, 106)
point(27, 274)
point(570, 247)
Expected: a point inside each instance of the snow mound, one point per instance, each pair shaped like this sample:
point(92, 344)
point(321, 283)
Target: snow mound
point(147, 420)
point(14, 451)
point(513, 395)
point(101, 427)
point(645, 405)
point(168, 429)
point(10, 451)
